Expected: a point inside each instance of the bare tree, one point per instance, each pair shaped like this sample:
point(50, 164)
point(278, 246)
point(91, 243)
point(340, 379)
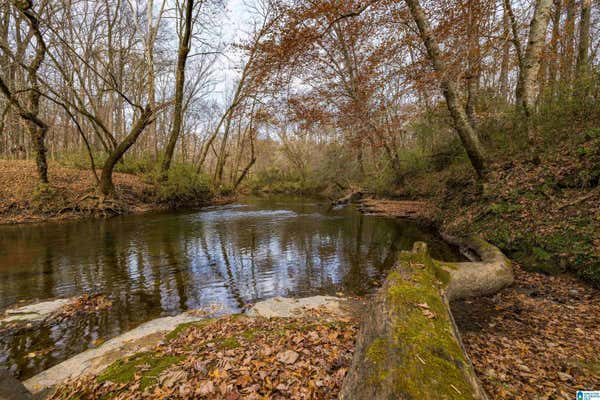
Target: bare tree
point(29, 110)
point(185, 36)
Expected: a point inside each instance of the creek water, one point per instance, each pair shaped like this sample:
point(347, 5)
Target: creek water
point(160, 264)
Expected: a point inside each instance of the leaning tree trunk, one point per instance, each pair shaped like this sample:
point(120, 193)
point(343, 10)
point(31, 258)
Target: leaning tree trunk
point(408, 346)
point(531, 60)
point(37, 128)
point(465, 130)
point(107, 186)
point(184, 49)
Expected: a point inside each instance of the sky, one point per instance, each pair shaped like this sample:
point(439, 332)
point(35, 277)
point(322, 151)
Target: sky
point(237, 24)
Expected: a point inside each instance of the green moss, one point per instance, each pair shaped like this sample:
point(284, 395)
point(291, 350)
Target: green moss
point(174, 334)
point(433, 364)
point(149, 365)
point(504, 208)
point(376, 354)
point(249, 334)
point(227, 343)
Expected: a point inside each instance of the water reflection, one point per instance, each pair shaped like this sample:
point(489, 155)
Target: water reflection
point(163, 264)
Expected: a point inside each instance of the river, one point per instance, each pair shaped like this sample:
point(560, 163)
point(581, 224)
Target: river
point(160, 264)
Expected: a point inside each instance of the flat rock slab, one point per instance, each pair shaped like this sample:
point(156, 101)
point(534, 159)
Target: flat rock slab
point(34, 312)
point(148, 335)
point(288, 307)
point(94, 361)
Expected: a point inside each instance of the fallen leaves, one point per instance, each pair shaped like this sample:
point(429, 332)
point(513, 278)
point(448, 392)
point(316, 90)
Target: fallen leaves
point(426, 310)
point(85, 304)
point(237, 357)
point(538, 339)
point(78, 307)
point(18, 181)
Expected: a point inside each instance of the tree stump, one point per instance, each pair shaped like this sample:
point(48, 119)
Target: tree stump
point(408, 346)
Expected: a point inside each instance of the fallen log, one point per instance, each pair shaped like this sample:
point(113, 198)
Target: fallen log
point(408, 346)
point(351, 197)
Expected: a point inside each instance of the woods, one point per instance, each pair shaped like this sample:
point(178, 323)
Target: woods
point(357, 79)
point(392, 98)
point(473, 125)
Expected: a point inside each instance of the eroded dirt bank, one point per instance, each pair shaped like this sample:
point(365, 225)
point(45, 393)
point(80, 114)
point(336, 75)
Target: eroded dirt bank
point(71, 194)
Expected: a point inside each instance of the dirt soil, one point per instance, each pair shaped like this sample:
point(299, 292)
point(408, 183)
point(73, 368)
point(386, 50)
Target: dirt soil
point(71, 194)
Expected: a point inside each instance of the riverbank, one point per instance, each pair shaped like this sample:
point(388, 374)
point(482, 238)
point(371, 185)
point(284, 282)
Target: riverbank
point(72, 195)
point(280, 349)
point(539, 336)
point(541, 210)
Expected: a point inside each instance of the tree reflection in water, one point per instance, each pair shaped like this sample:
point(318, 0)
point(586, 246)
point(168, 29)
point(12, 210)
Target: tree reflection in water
point(163, 264)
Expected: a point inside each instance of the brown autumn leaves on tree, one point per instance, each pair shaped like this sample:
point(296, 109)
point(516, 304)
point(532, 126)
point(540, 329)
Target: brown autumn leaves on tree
point(333, 43)
point(116, 79)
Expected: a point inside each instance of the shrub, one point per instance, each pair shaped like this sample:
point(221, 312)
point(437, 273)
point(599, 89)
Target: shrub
point(182, 186)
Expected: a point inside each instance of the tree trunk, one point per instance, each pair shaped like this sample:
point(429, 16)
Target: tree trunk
point(553, 67)
point(38, 136)
point(583, 60)
point(244, 172)
point(473, 58)
point(566, 70)
point(182, 54)
point(504, 67)
point(531, 60)
point(37, 128)
point(408, 346)
point(465, 131)
point(106, 184)
point(150, 62)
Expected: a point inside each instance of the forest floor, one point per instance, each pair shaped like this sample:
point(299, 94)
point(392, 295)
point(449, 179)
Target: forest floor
point(71, 194)
point(538, 338)
point(233, 357)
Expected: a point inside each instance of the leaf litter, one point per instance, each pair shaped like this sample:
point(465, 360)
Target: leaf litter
point(539, 339)
point(233, 357)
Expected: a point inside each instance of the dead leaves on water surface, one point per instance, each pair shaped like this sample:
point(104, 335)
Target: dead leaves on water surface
point(239, 358)
point(86, 303)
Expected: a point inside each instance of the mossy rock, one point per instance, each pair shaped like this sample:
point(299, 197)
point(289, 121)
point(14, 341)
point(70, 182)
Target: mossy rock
point(175, 333)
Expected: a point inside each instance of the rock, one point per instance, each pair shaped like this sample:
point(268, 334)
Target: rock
point(287, 357)
point(288, 307)
point(11, 388)
point(34, 312)
point(95, 360)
